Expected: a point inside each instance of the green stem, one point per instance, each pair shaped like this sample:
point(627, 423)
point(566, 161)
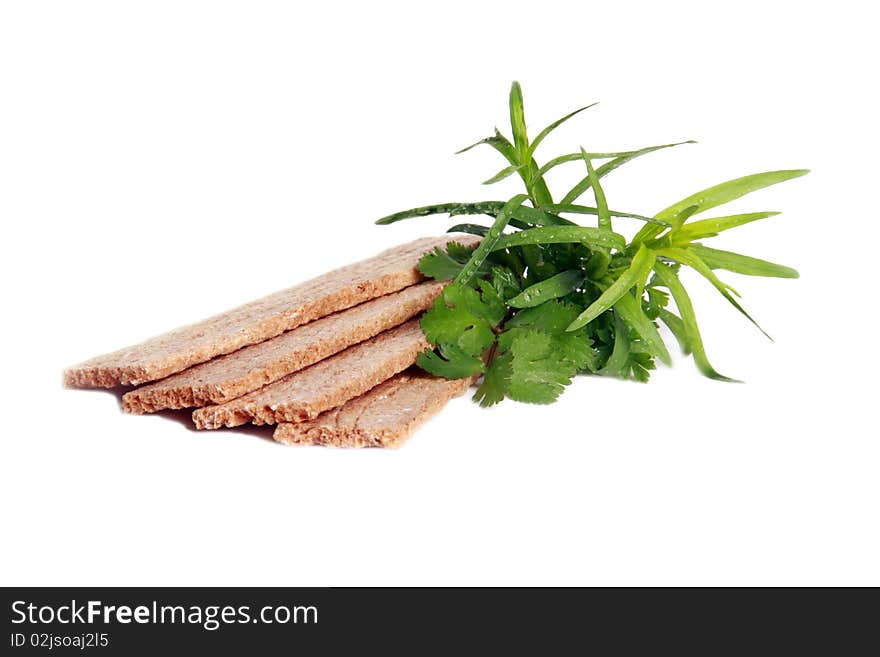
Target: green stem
point(488, 242)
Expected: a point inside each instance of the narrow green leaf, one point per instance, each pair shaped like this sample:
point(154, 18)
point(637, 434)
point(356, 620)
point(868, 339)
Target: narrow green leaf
point(742, 264)
point(497, 141)
point(691, 259)
point(540, 193)
point(518, 122)
point(562, 235)
point(601, 202)
point(726, 192)
point(649, 232)
point(620, 353)
point(641, 281)
point(424, 211)
point(501, 144)
point(686, 256)
point(577, 157)
point(471, 229)
point(586, 209)
point(489, 208)
point(490, 240)
point(524, 213)
point(608, 167)
point(713, 197)
point(669, 279)
point(504, 173)
point(518, 223)
point(638, 270)
point(629, 308)
point(550, 128)
point(485, 140)
point(676, 326)
point(474, 145)
point(550, 288)
point(535, 185)
point(541, 217)
point(711, 227)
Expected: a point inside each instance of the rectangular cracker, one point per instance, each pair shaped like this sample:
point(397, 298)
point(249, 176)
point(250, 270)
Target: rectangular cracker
point(228, 377)
point(161, 356)
point(384, 417)
point(333, 381)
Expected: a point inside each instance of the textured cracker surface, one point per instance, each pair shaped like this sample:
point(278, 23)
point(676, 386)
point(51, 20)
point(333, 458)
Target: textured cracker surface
point(228, 377)
point(163, 355)
point(305, 394)
point(384, 417)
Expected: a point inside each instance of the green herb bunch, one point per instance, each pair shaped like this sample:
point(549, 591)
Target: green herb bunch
point(542, 298)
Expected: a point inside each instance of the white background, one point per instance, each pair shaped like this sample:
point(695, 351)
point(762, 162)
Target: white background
point(163, 161)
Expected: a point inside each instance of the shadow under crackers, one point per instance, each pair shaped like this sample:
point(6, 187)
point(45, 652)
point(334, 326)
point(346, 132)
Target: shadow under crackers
point(183, 417)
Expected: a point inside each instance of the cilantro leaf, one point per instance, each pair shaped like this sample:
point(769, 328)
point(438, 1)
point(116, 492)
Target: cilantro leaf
point(493, 307)
point(459, 252)
point(536, 357)
point(505, 282)
point(631, 358)
point(461, 324)
point(496, 381)
point(460, 317)
point(657, 301)
point(455, 364)
point(638, 367)
point(438, 264)
point(444, 265)
point(553, 317)
point(538, 371)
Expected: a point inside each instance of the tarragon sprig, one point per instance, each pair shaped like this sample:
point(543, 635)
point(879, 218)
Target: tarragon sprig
point(531, 308)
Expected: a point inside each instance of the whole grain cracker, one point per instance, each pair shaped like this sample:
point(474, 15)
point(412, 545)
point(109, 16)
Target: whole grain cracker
point(163, 355)
point(305, 394)
point(384, 417)
point(228, 377)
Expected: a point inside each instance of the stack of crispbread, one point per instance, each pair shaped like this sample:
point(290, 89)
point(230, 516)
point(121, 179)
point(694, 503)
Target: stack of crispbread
point(327, 361)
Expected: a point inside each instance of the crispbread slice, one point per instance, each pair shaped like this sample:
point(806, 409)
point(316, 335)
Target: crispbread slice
point(325, 385)
point(228, 377)
point(384, 417)
point(259, 320)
